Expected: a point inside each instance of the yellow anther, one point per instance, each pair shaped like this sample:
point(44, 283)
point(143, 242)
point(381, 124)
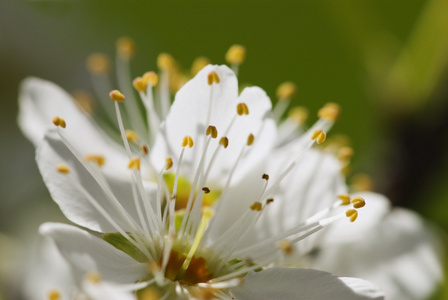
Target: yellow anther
point(286, 90)
point(286, 247)
point(345, 153)
point(168, 163)
point(352, 214)
point(134, 163)
point(59, 122)
point(187, 141)
point(265, 177)
point(206, 190)
point(224, 141)
point(165, 61)
point(345, 199)
point(358, 202)
point(236, 55)
point(93, 277)
point(362, 182)
point(198, 64)
point(126, 48)
point(54, 295)
point(298, 114)
point(98, 64)
point(139, 84)
point(151, 77)
point(63, 168)
point(213, 77)
point(97, 159)
point(116, 95)
point(319, 136)
point(257, 206)
point(84, 100)
point(329, 112)
point(145, 149)
point(269, 201)
point(242, 109)
point(149, 294)
point(131, 136)
point(212, 131)
point(250, 139)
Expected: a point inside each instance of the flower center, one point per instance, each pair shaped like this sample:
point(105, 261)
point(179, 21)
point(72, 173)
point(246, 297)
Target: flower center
point(196, 272)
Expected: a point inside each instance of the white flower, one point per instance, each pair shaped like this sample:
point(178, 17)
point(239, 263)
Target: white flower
point(174, 231)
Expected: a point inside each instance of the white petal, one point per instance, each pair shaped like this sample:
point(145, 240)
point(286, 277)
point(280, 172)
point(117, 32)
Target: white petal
point(106, 290)
point(189, 115)
point(290, 283)
point(86, 253)
point(400, 255)
point(41, 100)
point(72, 202)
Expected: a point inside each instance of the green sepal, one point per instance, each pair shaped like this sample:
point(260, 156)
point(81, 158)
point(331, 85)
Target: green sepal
point(121, 243)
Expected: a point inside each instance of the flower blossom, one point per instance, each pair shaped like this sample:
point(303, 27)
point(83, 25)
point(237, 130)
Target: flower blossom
point(170, 205)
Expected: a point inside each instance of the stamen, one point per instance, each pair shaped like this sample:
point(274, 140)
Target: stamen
point(213, 77)
point(358, 202)
point(168, 163)
point(345, 199)
point(93, 277)
point(139, 84)
point(236, 55)
point(242, 109)
point(57, 121)
point(206, 190)
point(352, 214)
point(286, 247)
point(126, 48)
point(298, 114)
point(224, 141)
point(319, 136)
point(97, 159)
point(265, 177)
point(165, 61)
point(98, 64)
point(256, 206)
point(345, 153)
point(286, 90)
point(131, 136)
point(117, 96)
point(223, 284)
point(329, 112)
point(54, 295)
point(198, 64)
point(151, 78)
point(62, 168)
point(134, 163)
point(212, 131)
point(144, 149)
point(187, 141)
point(250, 139)
point(84, 101)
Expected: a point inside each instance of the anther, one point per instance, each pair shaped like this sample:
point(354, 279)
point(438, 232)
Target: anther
point(286, 247)
point(269, 201)
point(116, 95)
point(352, 214)
point(139, 84)
point(265, 177)
point(345, 199)
point(151, 77)
point(84, 100)
point(187, 141)
point(59, 122)
point(93, 277)
point(242, 109)
point(131, 136)
point(256, 206)
point(212, 131)
point(319, 135)
point(168, 163)
point(198, 64)
point(98, 64)
point(345, 153)
point(126, 48)
point(54, 295)
point(298, 114)
point(134, 163)
point(224, 141)
point(213, 77)
point(286, 90)
point(165, 61)
point(97, 159)
point(63, 168)
point(329, 112)
point(236, 55)
point(206, 190)
point(250, 139)
point(144, 149)
point(358, 202)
